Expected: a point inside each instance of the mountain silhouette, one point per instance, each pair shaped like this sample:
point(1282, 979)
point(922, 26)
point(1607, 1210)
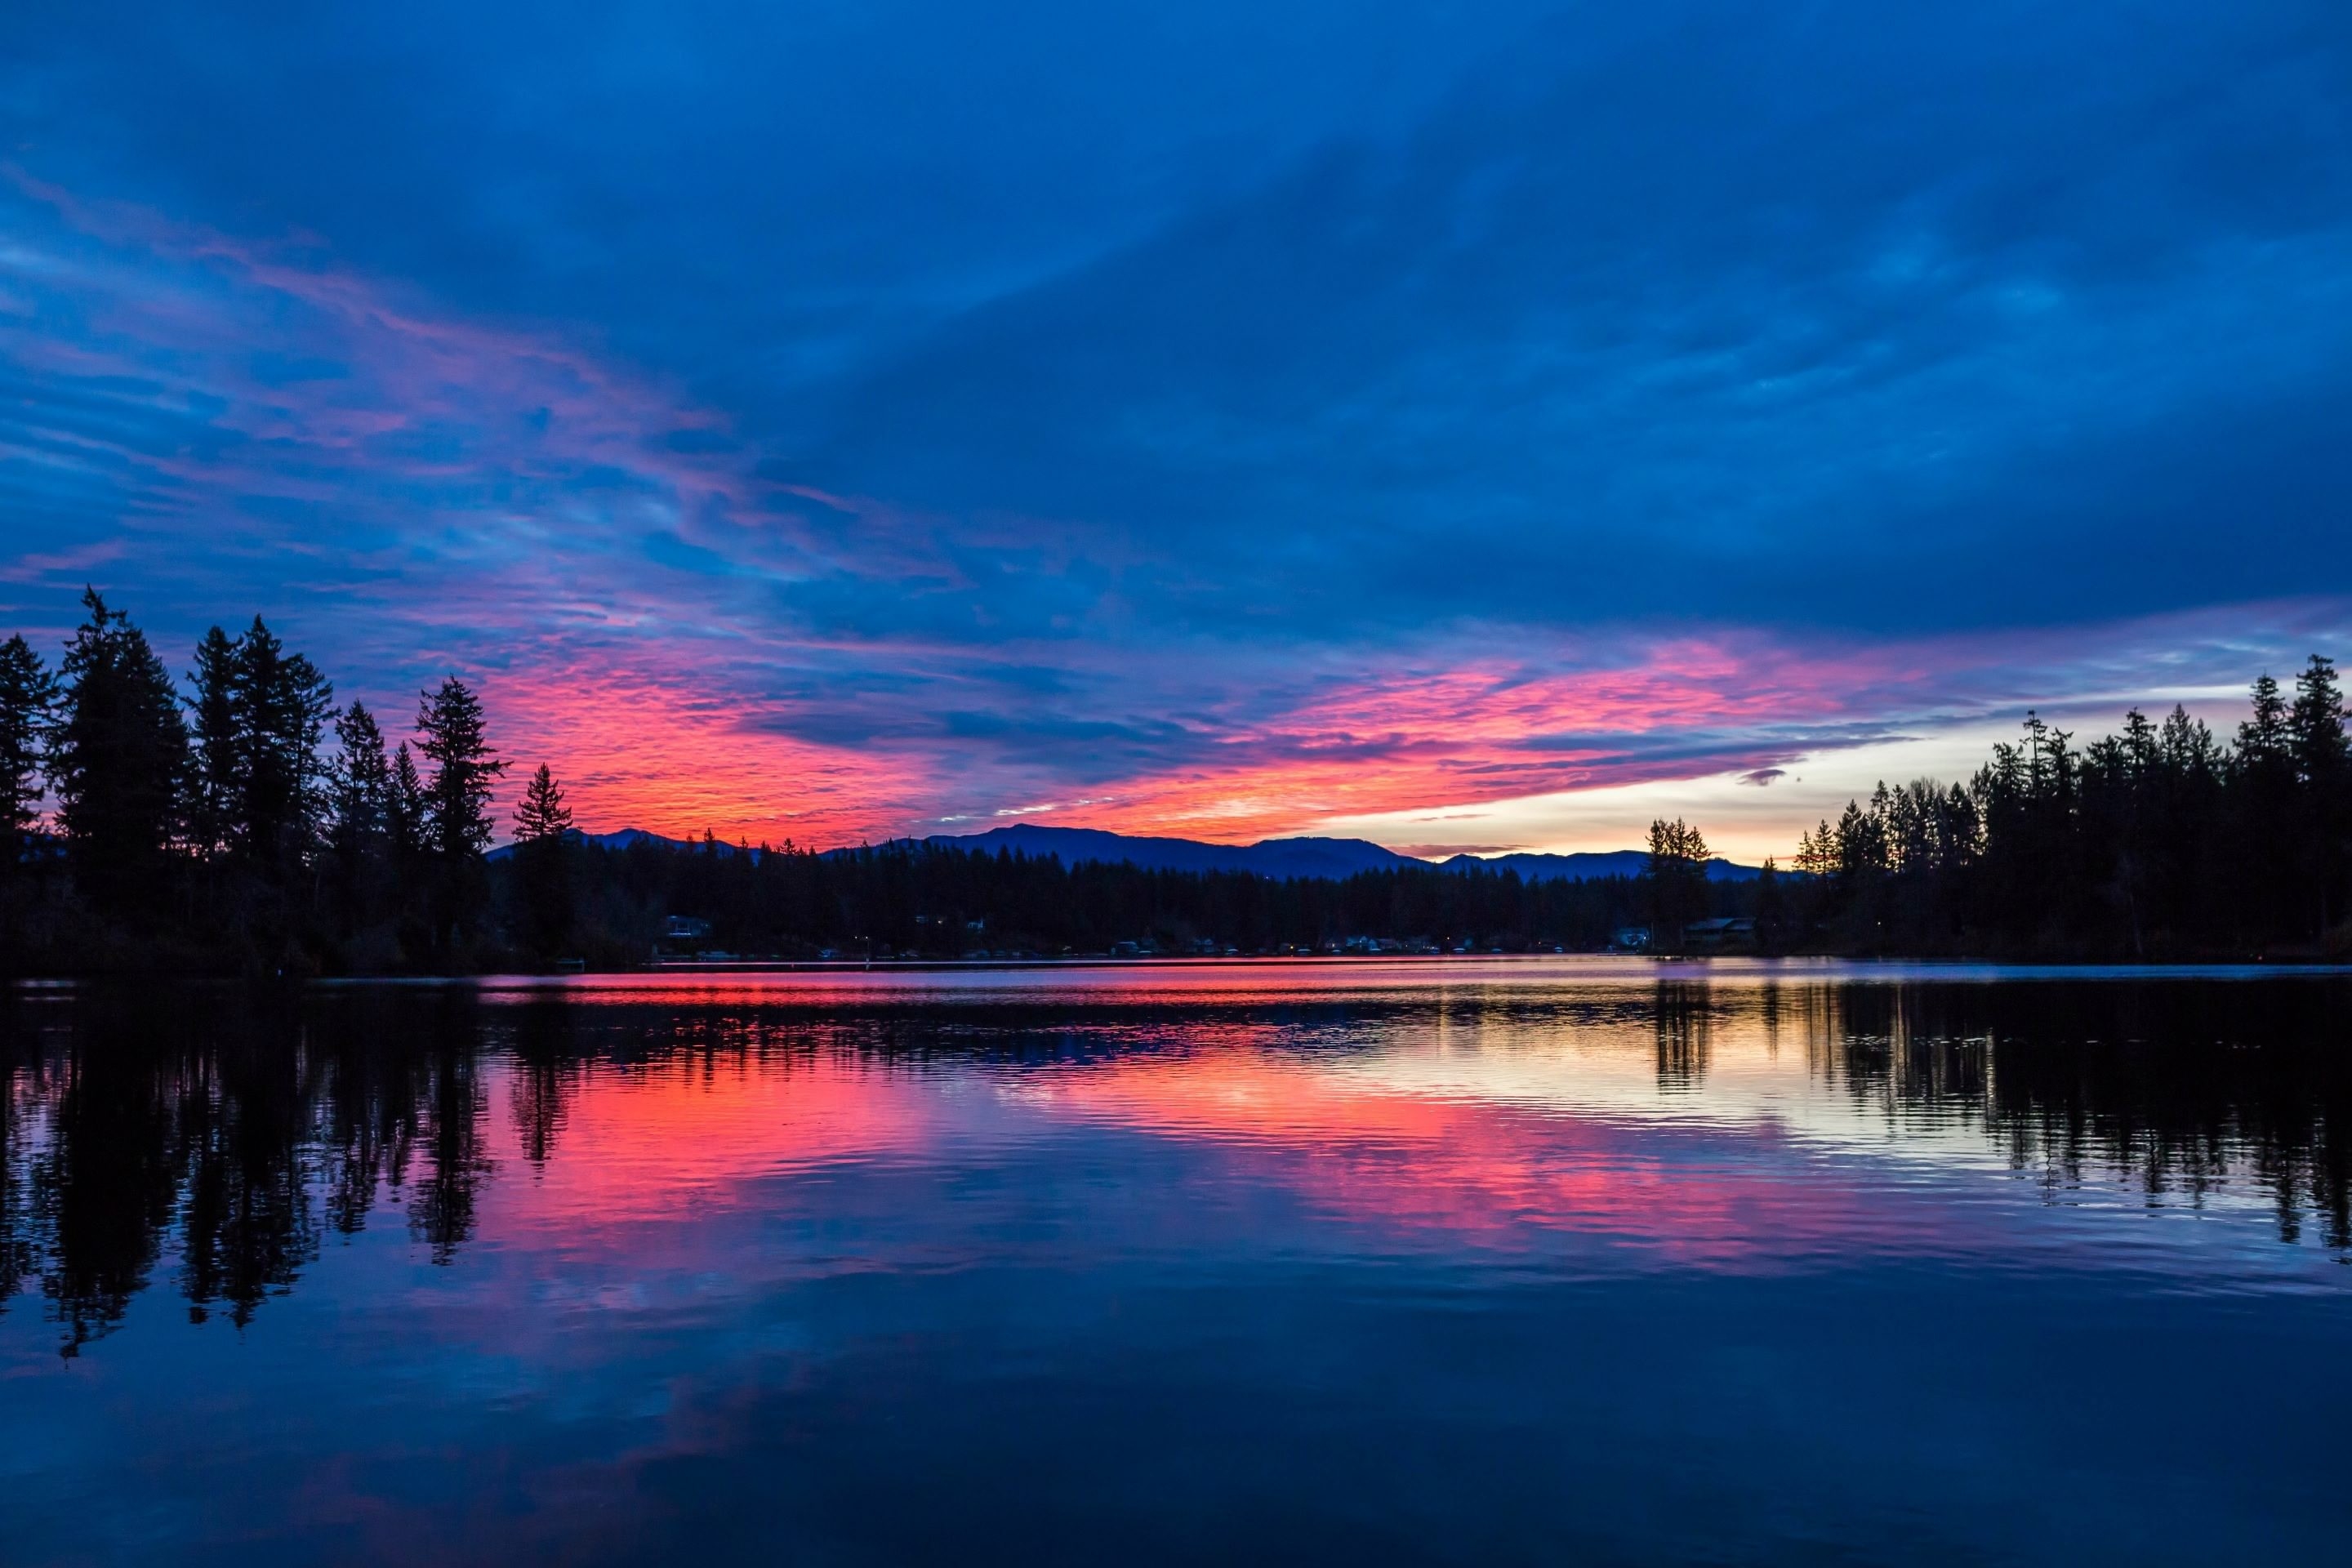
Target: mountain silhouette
point(1279, 859)
point(1286, 857)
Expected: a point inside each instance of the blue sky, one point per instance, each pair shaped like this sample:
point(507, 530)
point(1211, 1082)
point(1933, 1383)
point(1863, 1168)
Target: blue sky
point(1225, 420)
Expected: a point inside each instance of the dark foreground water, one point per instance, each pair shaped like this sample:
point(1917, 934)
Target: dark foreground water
point(1478, 1262)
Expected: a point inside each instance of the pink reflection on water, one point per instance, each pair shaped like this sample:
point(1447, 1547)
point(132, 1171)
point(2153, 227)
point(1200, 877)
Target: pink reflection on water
point(1365, 1162)
point(1415, 1169)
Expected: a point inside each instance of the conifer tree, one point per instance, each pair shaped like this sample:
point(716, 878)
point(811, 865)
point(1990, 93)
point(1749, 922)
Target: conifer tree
point(361, 804)
point(360, 811)
point(541, 813)
point(458, 827)
point(280, 712)
point(405, 809)
point(451, 736)
point(1770, 918)
point(2316, 745)
point(1676, 878)
point(2262, 809)
point(215, 773)
point(2262, 737)
point(412, 880)
point(256, 785)
point(2315, 725)
point(28, 697)
point(543, 862)
point(118, 759)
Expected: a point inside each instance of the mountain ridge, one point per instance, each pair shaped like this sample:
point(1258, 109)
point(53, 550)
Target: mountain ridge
point(1281, 858)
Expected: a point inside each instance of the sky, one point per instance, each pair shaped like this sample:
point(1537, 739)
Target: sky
point(1468, 427)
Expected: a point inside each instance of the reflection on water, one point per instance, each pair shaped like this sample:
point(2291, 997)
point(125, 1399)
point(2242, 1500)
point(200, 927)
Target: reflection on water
point(469, 1207)
point(2182, 1092)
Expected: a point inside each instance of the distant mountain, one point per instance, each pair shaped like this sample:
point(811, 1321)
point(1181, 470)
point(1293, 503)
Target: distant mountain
point(1298, 856)
point(1276, 858)
point(622, 838)
point(1587, 868)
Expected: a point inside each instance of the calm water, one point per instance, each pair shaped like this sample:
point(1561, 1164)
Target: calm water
point(1499, 1262)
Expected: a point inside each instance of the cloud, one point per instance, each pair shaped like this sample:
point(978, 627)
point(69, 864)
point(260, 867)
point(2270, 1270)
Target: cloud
point(1760, 778)
point(1407, 411)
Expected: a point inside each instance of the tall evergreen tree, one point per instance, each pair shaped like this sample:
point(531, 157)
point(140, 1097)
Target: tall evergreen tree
point(543, 863)
point(2323, 767)
point(28, 697)
point(256, 785)
point(541, 813)
point(406, 810)
point(413, 882)
point(281, 708)
point(2262, 812)
point(2262, 736)
point(215, 764)
point(451, 736)
point(1676, 878)
point(2315, 725)
point(118, 760)
point(360, 808)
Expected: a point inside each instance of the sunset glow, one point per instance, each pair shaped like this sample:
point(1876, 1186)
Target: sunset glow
point(746, 529)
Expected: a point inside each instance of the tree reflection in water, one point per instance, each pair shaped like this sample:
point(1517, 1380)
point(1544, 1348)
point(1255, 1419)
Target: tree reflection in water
point(227, 1129)
point(216, 1137)
point(2178, 1087)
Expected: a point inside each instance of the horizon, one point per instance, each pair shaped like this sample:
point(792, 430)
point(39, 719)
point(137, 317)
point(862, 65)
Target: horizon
point(1309, 706)
point(1472, 434)
point(691, 838)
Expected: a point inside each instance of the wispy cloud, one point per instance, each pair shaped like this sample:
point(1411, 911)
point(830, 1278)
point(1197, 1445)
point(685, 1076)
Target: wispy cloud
point(1396, 420)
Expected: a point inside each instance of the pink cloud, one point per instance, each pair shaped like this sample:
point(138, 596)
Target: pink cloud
point(496, 500)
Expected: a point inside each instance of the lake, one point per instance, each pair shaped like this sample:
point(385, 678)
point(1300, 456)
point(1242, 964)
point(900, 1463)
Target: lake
point(1428, 1261)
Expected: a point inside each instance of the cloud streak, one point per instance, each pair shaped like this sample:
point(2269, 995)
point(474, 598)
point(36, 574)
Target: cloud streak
point(1521, 406)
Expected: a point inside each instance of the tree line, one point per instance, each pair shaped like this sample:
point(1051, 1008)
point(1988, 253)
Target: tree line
point(241, 820)
point(141, 826)
point(2161, 840)
point(916, 900)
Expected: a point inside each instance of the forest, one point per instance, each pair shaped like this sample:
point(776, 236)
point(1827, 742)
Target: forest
point(239, 821)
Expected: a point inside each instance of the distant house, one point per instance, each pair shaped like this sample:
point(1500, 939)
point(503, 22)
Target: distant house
point(1732, 931)
point(1631, 938)
point(685, 928)
point(1375, 945)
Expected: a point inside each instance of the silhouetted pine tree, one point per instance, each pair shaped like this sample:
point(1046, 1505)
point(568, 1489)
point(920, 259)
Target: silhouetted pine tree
point(359, 804)
point(2262, 810)
point(543, 863)
point(2187, 826)
point(1676, 878)
point(541, 813)
point(281, 703)
point(118, 761)
point(360, 820)
point(215, 780)
point(1772, 911)
point(2317, 744)
point(458, 827)
point(406, 811)
point(28, 697)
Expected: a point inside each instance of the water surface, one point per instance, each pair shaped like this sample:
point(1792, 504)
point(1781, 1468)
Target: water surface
point(1429, 1261)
